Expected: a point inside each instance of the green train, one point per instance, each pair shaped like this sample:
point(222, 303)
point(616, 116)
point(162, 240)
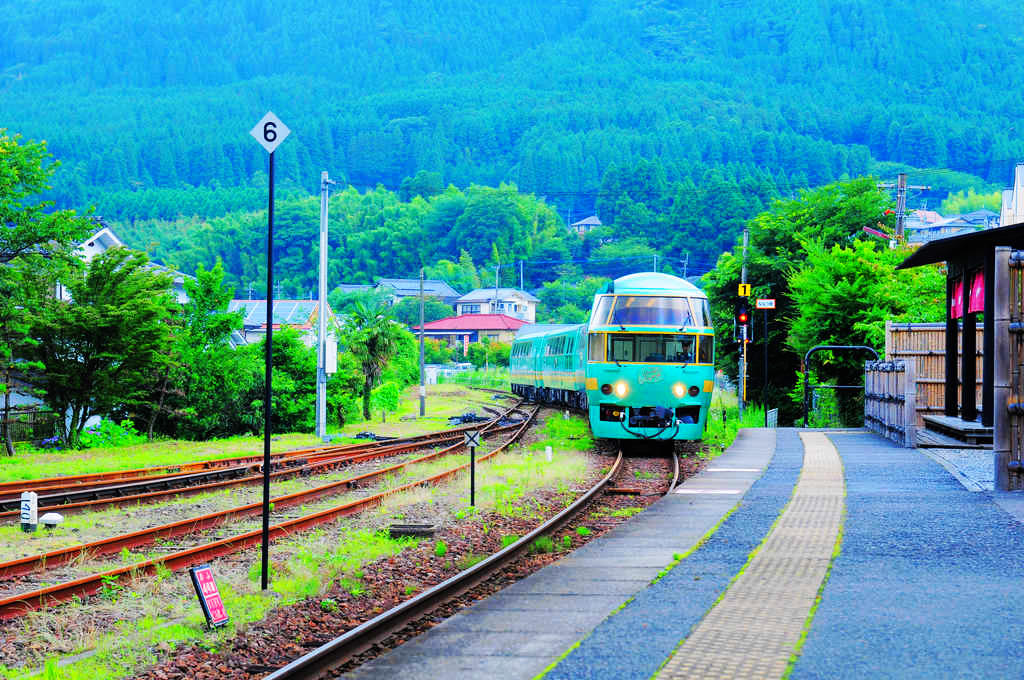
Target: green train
point(642, 366)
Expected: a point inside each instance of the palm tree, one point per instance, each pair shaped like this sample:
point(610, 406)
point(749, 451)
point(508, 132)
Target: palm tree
point(372, 337)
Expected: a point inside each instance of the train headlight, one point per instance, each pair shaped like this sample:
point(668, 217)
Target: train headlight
point(679, 389)
point(621, 389)
point(606, 389)
point(694, 390)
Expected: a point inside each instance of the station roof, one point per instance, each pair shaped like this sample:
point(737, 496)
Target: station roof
point(956, 247)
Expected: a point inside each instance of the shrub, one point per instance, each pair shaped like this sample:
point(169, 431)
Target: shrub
point(109, 433)
point(440, 549)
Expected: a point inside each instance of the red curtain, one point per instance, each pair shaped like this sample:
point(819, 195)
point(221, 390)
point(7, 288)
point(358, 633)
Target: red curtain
point(957, 305)
point(977, 299)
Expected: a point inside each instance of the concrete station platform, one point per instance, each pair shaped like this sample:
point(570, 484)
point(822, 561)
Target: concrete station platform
point(917, 577)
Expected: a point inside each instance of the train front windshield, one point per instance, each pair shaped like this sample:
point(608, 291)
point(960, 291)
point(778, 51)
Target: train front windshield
point(651, 310)
point(652, 348)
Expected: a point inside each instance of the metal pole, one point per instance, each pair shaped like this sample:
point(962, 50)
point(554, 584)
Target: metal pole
point(764, 385)
point(522, 286)
point(686, 264)
point(472, 476)
point(901, 204)
point(423, 380)
point(321, 354)
point(268, 357)
point(743, 332)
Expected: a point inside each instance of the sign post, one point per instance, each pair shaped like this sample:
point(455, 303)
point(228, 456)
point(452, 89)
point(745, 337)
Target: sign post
point(269, 132)
point(472, 440)
point(765, 304)
point(209, 596)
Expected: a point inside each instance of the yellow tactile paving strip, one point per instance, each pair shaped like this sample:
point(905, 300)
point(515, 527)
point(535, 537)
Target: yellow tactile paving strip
point(754, 628)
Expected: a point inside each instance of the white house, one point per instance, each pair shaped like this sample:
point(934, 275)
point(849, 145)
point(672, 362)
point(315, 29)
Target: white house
point(509, 301)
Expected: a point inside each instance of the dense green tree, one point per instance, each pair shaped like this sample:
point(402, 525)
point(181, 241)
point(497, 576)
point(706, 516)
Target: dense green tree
point(407, 310)
point(32, 235)
point(843, 295)
point(101, 347)
point(826, 216)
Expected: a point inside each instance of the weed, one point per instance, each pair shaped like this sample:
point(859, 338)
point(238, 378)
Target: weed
point(410, 589)
point(544, 544)
point(468, 560)
point(111, 589)
point(328, 605)
point(583, 531)
point(566, 542)
point(506, 541)
point(440, 549)
point(354, 586)
point(625, 512)
point(641, 474)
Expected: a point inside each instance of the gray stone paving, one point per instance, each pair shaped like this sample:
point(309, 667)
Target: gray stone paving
point(521, 630)
point(927, 583)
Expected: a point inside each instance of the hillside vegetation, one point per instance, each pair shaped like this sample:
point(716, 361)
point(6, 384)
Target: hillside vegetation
point(140, 97)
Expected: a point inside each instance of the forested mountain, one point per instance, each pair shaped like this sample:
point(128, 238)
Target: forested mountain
point(674, 119)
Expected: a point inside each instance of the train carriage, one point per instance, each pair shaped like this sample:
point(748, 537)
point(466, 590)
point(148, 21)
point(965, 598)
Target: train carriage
point(642, 366)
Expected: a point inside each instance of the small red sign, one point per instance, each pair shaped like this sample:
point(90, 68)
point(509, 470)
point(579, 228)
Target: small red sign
point(209, 596)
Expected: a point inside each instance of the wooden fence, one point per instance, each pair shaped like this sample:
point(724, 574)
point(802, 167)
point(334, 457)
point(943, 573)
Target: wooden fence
point(890, 398)
point(924, 345)
point(1008, 390)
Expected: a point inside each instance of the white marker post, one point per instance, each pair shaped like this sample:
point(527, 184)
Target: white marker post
point(269, 132)
point(472, 440)
point(29, 511)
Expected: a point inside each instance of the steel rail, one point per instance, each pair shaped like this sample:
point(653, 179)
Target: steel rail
point(115, 544)
point(338, 651)
point(79, 495)
point(187, 484)
point(675, 472)
point(17, 605)
point(10, 491)
point(322, 465)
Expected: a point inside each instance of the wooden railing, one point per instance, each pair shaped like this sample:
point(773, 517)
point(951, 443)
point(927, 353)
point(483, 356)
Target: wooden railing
point(890, 400)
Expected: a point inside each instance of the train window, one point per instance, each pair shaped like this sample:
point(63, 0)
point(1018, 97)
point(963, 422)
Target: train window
point(596, 347)
point(701, 312)
point(620, 347)
point(602, 309)
point(652, 310)
point(706, 353)
point(652, 348)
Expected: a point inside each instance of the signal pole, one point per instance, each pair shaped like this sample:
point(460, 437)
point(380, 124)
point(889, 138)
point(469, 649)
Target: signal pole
point(423, 383)
point(901, 200)
point(743, 330)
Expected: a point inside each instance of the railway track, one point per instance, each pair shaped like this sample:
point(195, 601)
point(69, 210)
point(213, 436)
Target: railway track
point(16, 605)
point(98, 491)
point(337, 653)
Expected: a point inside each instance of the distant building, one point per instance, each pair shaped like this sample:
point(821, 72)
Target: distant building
point(511, 301)
point(469, 328)
point(302, 315)
point(931, 225)
point(1012, 211)
point(399, 289)
point(105, 239)
point(585, 225)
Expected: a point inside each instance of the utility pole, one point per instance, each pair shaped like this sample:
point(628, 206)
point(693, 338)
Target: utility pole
point(321, 342)
point(521, 285)
point(686, 264)
point(901, 200)
point(743, 330)
point(423, 382)
point(497, 277)
point(655, 262)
